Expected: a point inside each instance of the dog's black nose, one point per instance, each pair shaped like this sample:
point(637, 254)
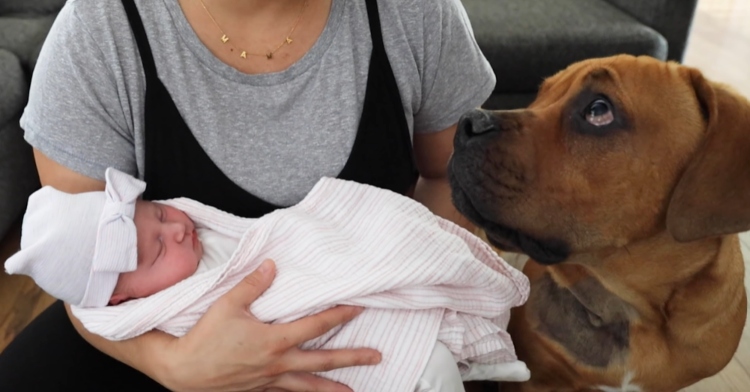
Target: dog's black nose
point(475, 122)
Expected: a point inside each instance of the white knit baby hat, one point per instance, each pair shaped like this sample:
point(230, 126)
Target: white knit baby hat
point(75, 246)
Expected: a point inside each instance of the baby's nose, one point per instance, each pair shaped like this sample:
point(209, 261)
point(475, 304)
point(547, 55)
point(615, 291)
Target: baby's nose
point(177, 230)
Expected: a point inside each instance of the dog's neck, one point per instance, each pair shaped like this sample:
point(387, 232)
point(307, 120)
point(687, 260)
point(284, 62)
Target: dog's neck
point(648, 273)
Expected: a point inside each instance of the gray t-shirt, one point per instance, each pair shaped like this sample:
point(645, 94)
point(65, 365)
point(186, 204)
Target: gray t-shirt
point(273, 134)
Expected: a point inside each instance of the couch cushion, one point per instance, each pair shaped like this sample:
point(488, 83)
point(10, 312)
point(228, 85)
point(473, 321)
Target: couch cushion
point(14, 92)
point(24, 36)
point(17, 170)
point(528, 40)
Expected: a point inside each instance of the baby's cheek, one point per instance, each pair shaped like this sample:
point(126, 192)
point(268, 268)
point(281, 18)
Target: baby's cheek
point(189, 267)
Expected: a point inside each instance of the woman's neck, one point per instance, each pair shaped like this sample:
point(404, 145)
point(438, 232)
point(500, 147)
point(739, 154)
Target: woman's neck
point(261, 13)
point(259, 28)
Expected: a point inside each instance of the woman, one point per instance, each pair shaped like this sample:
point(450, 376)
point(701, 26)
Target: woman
point(244, 105)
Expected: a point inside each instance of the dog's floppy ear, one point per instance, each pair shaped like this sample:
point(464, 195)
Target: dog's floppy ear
point(712, 197)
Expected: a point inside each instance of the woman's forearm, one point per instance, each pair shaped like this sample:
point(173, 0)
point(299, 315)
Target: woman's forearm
point(144, 353)
point(432, 152)
point(435, 193)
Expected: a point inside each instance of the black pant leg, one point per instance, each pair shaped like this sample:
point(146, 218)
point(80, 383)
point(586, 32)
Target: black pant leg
point(49, 355)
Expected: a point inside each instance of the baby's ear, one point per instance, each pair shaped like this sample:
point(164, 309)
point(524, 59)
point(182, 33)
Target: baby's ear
point(118, 299)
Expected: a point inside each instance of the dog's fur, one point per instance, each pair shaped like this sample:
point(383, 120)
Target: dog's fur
point(630, 221)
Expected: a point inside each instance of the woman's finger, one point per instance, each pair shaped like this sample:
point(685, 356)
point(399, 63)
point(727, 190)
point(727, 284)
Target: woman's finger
point(324, 360)
point(307, 382)
point(252, 286)
point(311, 327)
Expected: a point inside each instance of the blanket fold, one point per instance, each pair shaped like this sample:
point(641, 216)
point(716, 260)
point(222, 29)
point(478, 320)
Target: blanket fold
point(420, 277)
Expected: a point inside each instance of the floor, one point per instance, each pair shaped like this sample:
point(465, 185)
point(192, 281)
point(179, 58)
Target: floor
point(719, 45)
point(20, 299)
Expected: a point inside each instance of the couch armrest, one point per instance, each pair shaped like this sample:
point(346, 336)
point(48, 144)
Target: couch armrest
point(671, 18)
point(30, 7)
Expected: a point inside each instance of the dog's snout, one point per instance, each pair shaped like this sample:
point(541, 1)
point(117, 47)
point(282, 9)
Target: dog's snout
point(475, 123)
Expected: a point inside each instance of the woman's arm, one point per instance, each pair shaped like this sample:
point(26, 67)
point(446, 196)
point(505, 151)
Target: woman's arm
point(228, 349)
point(432, 152)
point(135, 352)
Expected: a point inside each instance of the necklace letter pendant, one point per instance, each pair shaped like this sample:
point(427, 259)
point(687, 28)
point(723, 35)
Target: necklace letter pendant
point(243, 54)
point(224, 38)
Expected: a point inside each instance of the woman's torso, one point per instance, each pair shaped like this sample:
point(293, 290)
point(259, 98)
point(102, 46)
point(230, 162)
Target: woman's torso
point(274, 134)
point(177, 166)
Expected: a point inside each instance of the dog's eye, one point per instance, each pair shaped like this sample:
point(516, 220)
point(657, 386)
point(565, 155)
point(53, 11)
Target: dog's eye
point(599, 113)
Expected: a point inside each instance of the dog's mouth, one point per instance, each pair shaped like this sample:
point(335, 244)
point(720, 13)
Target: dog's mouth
point(545, 251)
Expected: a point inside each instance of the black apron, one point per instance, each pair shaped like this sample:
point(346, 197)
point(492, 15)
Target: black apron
point(177, 166)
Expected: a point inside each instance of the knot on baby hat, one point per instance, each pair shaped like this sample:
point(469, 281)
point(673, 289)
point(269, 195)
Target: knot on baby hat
point(75, 246)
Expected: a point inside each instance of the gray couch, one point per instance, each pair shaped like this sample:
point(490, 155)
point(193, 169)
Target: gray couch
point(527, 40)
point(23, 26)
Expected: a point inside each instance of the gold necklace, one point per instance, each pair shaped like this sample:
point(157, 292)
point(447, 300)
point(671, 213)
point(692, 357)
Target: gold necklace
point(269, 55)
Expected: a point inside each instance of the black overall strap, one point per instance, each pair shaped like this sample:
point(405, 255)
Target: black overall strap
point(177, 166)
point(144, 49)
point(382, 153)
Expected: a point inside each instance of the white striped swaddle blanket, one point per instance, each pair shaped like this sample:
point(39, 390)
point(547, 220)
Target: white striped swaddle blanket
point(420, 277)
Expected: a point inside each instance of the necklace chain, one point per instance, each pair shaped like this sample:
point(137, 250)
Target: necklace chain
point(268, 55)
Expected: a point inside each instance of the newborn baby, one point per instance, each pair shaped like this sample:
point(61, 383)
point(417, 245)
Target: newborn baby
point(96, 249)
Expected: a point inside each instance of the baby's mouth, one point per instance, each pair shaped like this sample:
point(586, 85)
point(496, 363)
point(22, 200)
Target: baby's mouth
point(197, 245)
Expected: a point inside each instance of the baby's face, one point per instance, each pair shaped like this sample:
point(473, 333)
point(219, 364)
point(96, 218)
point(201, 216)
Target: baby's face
point(168, 251)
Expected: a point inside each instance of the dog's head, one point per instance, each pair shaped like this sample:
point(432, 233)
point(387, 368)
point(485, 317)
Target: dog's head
point(613, 150)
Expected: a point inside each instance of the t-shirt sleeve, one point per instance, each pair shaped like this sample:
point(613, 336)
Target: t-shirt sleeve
point(456, 76)
point(76, 113)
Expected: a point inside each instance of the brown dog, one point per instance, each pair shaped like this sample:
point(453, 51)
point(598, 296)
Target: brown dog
point(625, 181)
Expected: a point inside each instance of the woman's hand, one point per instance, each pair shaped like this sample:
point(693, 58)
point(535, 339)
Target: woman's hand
point(230, 350)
